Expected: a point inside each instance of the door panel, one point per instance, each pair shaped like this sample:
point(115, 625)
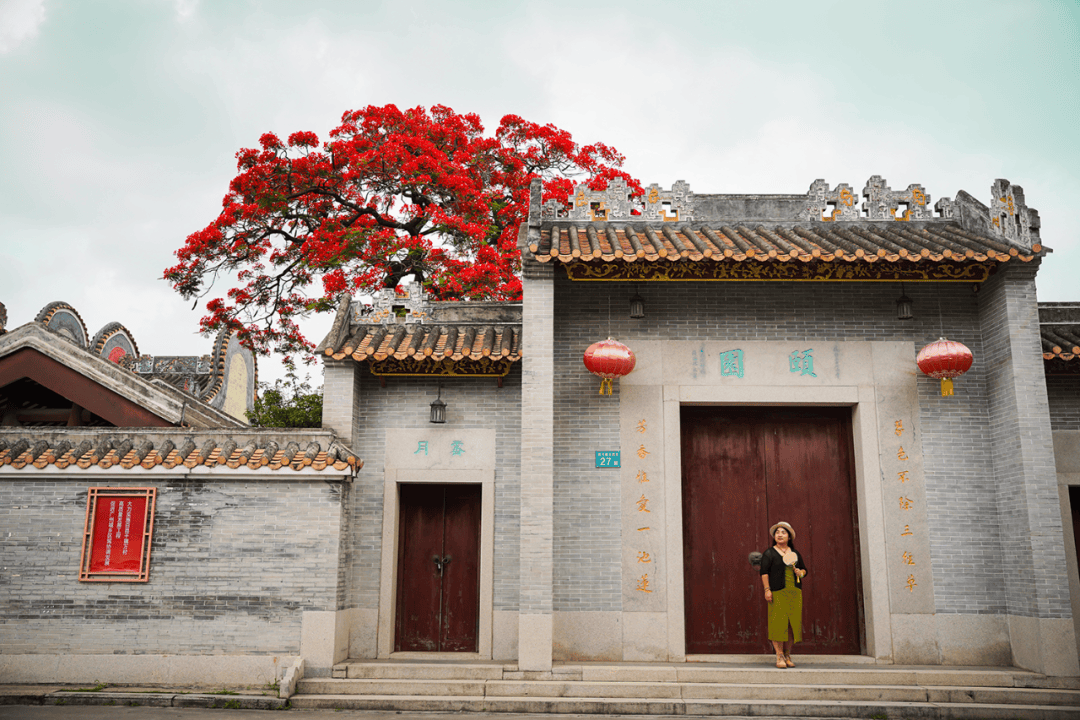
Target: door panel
point(744, 469)
point(718, 447)
point(438, 610)
point(461, 586)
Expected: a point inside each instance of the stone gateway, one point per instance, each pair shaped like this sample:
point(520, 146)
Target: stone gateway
point(507, 511)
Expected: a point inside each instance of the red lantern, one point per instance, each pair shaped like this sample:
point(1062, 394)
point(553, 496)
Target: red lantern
point(609, 359)
point(944, 360)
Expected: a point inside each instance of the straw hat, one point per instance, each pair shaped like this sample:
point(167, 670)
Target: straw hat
point(782, 524)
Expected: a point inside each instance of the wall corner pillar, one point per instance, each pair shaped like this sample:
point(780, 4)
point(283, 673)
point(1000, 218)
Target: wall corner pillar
point(537, 467)
point(1028, 504)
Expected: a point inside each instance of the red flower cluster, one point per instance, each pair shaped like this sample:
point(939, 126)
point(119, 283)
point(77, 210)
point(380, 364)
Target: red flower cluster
point(392, 193)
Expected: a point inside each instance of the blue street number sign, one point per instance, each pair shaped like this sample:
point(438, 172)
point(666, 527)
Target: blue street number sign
point(608, 458)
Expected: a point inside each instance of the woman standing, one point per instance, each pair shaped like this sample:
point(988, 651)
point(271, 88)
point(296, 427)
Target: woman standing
point(782, 573)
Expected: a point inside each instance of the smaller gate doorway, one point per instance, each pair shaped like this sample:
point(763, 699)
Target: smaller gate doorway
point(438, 568)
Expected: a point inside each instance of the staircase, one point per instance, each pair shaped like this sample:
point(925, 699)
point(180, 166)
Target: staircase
point(811, 690)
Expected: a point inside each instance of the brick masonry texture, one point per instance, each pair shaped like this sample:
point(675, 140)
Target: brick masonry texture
point(537, 540)
point(233, 565)
point(1063, 392)
point(405, 403)
point(1036, 582)
point(962, 485)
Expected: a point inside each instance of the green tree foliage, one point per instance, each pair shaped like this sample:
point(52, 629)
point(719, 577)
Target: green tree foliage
point(289, 403)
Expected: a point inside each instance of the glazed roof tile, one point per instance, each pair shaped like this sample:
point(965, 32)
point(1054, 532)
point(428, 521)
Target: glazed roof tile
point(566, 242)
point(1060, 341)
point(435, 342)
point(148, 451)
point(1059, 328)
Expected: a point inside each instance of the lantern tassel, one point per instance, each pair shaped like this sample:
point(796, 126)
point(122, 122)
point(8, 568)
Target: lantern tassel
point(605, 386)
point(946, 387)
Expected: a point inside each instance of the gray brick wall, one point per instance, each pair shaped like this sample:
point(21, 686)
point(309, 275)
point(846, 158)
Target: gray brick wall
point(588, 517)
point(405, 403)
point(960, 484)
point(538, 453)
point(232, 567)
point(341, 397)
point(1029, 510)
point(1063, 393)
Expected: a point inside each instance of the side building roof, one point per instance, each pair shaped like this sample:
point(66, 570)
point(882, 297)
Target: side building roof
point(404, 333)
point(153, 450)
point(1059, 328)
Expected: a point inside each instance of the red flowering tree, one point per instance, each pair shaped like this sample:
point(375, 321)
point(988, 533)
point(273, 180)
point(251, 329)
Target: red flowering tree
point(392, 193)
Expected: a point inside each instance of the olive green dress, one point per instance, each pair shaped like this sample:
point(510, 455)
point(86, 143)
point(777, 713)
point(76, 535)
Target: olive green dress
point(786, 607)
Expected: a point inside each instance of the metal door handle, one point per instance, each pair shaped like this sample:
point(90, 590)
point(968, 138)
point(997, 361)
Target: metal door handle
point(441, 563)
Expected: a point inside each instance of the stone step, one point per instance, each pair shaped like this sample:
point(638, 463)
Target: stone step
point(708, 673)
point(422, 670)
point(713, 691)
point(647, 706)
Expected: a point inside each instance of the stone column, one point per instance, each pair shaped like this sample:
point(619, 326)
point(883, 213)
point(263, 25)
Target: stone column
point(341, 399)
point(1029, 510)
point(537, 455)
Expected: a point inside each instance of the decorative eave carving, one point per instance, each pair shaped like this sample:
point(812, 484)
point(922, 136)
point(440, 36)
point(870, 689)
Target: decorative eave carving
point(819, 271)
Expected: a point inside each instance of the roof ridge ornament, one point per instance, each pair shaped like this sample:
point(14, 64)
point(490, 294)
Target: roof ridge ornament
point(612, 203)
point(882, 202)
point(617, 202)
point(820, 199)
point(64, 320)
point(389, 306)
point(679, 201)
point(1010, 217)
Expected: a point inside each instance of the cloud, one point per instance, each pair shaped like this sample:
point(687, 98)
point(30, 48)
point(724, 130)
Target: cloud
point(19, 22)
point(186, 8)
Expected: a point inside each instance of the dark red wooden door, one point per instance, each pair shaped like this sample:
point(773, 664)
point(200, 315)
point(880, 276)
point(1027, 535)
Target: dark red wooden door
point(744, 469)
point(438, 593)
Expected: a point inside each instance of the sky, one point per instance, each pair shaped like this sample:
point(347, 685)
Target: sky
point(120, 120)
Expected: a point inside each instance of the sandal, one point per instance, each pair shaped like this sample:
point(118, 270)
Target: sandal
point(780, 663)
point(788, 662)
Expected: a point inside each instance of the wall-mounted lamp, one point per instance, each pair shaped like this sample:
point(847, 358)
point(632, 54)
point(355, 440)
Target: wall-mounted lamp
point(438, 409)
point(637, 306)
point(903, 306)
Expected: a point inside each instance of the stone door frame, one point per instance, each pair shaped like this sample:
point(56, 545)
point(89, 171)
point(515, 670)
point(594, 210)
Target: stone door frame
point(389, 565)
point(868, 495)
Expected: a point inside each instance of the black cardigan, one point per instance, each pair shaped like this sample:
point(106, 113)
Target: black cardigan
point(773, 566)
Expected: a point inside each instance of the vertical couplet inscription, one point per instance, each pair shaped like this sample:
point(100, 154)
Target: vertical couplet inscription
point(905, 504)
point(911, 586)
point(643, 515)
point(642, 502)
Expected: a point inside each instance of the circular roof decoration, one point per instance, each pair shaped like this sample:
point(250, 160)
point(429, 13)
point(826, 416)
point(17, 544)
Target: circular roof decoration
point(64, 320)
point(114, 341)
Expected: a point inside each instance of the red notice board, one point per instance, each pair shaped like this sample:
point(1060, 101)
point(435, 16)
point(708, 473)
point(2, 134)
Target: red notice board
point(117, 535)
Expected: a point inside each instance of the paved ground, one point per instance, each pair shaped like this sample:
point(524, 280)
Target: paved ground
point(17, 712)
